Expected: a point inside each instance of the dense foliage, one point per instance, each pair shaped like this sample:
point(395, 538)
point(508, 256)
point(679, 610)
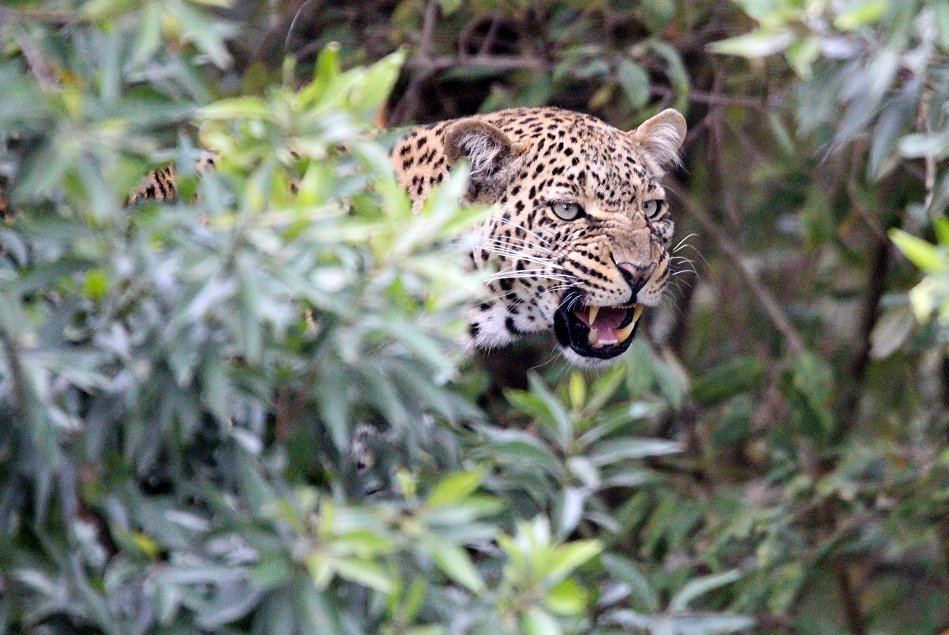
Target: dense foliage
point(246, 411)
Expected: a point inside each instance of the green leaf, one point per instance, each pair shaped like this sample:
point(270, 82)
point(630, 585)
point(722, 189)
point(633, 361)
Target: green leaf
point(271, 571)
point(635, 83)
point(537, 621)
point(148, 41)
point(891, 331)
point(314, 611)
point(565, 558)
point(326, 70)
point(364, 572)
point(237, 108)
point(941, 227)
point(929, 145)
point(895, 119)
point(454, 488)
point(557, 421)
point(521, 449)
point(455, 563)
point(207, 34)
point(738, 374)
point(577, 390)
point(862, 13)
point(699, 586)
point(363, 543)
point(702, 624)
point(566, 597)
point(616, 450)
point(569, 508)
point(676, 72)
point(926, 256)
point(802, 54)
point(104, 9)
point(813, 380)
point(625, 571)
point(96, 285)
point(760, 43)
point(376, 84)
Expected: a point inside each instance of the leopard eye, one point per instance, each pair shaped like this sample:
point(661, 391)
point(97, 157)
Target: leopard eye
point(567, 211)
point(652, 208)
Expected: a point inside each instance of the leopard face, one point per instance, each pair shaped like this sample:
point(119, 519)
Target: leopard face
point(579, 237)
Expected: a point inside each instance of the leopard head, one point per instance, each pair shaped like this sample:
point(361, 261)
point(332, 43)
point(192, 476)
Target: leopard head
point(578, 243)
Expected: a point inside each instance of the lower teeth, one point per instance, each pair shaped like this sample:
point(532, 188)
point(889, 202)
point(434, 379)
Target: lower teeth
point(622, 334)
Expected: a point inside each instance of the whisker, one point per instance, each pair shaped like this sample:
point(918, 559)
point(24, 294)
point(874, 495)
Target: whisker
point(517, 245)
point(542, 270)
point(549, 359)
point(697, 252)
point(516, 241)
point(515, 248)
point(532, 275)
point(681, 243)
point(511, 223)
point(521, 256)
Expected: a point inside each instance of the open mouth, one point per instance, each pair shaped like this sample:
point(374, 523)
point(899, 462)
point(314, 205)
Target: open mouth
point(602, 332)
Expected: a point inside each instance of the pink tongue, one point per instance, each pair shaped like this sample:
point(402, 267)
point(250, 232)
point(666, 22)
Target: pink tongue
point(607, 318)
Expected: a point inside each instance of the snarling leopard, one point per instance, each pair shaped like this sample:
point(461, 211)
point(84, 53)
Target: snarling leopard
point(580, 233)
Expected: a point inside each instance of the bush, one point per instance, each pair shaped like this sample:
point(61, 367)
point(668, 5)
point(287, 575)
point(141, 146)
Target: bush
point(247, 411)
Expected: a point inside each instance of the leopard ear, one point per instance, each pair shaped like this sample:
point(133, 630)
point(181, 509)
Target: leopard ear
point(661, 136)
point(487, 148)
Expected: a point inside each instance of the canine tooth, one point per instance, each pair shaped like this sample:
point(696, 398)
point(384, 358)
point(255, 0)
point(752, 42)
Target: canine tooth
point(637, 312)
point(623, 334)
point(594, 311)
point(594, 337)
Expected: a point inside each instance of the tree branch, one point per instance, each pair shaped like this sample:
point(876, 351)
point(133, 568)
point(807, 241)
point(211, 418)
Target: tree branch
point(422, 69)
point(761, 293)
point(876, 286)
point(505, 63)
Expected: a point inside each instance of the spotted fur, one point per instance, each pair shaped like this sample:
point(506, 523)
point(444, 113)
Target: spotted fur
point(161, 184)
point(525, 162)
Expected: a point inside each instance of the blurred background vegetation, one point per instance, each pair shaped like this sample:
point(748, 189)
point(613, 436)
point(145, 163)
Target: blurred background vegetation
point(182, 385)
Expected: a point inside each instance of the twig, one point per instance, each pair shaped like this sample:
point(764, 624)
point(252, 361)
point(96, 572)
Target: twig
point(15, 366)
point(878, 230)
point(505, 63)
point(293, 24)
point(761, 293)
point(876, 286)
point(422, 69)
point(491, 35)
point(852, 611)
point(717, 99)
point(922, 123)
point(35, 61)
point(428, 29)
point(492, 62)
point(53, 18)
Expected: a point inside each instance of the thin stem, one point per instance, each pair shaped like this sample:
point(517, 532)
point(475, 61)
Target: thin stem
point(761, 293)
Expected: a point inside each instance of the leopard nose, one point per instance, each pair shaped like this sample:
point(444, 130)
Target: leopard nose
point(636, 276)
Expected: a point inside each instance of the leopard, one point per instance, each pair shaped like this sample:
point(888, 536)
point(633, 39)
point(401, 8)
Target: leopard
point(579, 233)
point(578, 238)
